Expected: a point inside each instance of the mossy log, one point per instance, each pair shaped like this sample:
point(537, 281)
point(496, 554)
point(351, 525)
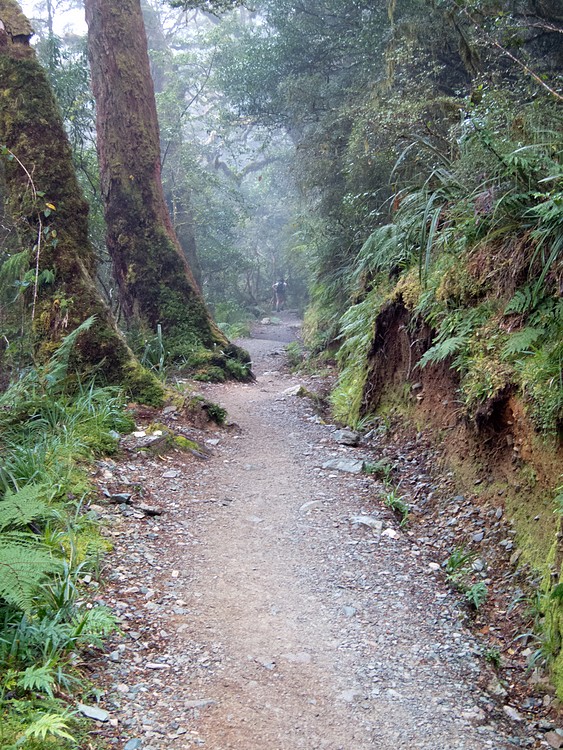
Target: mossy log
point(46, 206)
point(156, 285)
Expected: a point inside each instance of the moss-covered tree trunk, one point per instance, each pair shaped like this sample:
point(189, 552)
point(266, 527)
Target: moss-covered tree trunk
point(156, 285)
point(46, 206)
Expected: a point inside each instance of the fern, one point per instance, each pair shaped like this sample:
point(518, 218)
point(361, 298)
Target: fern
point(522, 341)
point(524, 301)
point(56, 370)
point(442, 350)
point(38, 678)
point(23, 507)
point(13, 268)
point(22, 568)
point(55, 725)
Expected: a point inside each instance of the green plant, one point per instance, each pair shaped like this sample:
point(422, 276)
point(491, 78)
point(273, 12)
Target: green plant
point(382, 469)
point(398, 505)
point(493, 656)
point(154, 354)
point(477, 594)
point(458, 561)
point(294, 355)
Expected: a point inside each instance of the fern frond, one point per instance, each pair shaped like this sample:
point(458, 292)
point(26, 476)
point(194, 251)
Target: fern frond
point(522, 341)
point(39, 678)
point(14, 267)
point(524, 301)
point(22, 507)
point(54, 725)
point(57, 368)
point(22, 568)
point(442, 350)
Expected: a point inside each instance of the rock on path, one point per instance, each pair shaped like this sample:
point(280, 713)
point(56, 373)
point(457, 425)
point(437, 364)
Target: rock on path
point(279, 620)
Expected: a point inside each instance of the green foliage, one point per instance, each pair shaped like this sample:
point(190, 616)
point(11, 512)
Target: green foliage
point(458, 561)
point(20, 508)
point(477, 594)
point(382, 469)
point(398, 505)
point(54, 725)
point(52, 427)
point(154, 355)
point(493, 656)
point(357, 327)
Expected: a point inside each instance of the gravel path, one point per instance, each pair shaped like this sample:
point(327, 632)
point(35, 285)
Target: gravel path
point(276, 605)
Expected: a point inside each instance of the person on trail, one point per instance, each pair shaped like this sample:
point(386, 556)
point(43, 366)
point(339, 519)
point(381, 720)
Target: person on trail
point(279, 294)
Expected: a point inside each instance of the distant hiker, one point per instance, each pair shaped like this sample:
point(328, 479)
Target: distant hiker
point(279, 294)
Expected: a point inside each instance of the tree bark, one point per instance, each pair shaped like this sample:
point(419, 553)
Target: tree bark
point(51, 217)
point(155, 283)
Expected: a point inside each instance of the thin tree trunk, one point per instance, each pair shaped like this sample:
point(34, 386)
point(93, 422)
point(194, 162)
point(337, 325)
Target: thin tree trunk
point(51, 217)
point(155, 283)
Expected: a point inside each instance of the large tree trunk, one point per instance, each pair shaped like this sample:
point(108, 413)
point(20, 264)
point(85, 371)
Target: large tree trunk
point(155, 283)
point(51, 217)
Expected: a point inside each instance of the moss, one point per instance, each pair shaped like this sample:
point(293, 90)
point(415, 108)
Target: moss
point(188, 446)
point(210, 374)
point(216, 413)
point(142, 386)
point(409, 289)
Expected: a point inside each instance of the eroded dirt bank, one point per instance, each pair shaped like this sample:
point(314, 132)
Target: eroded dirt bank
point(276, 604)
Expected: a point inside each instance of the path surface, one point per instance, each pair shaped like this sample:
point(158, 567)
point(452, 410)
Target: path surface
point(261, 617)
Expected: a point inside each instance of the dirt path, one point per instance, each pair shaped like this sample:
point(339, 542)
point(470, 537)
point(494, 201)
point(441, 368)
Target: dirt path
point(260, 616)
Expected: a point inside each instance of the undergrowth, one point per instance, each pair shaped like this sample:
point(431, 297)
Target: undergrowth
point(475, 253)
point(51, 427)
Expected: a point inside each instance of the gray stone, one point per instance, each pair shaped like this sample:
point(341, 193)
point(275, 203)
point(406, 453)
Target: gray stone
point(93, 712)
point(349, 696)
point(369, 521)
point(347, 437)
point(350, 466)
point(478, 537)
point(512, 713)
point(133, 744)
point(349, 611)
point(171, 474)
point(554, 739)
point(120, 497)
point(295, 390)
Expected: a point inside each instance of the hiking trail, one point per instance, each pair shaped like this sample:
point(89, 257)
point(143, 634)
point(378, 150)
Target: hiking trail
point(276, 604)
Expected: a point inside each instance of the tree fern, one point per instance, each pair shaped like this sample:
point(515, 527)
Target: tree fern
point(524, 300)
point(12, 269)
